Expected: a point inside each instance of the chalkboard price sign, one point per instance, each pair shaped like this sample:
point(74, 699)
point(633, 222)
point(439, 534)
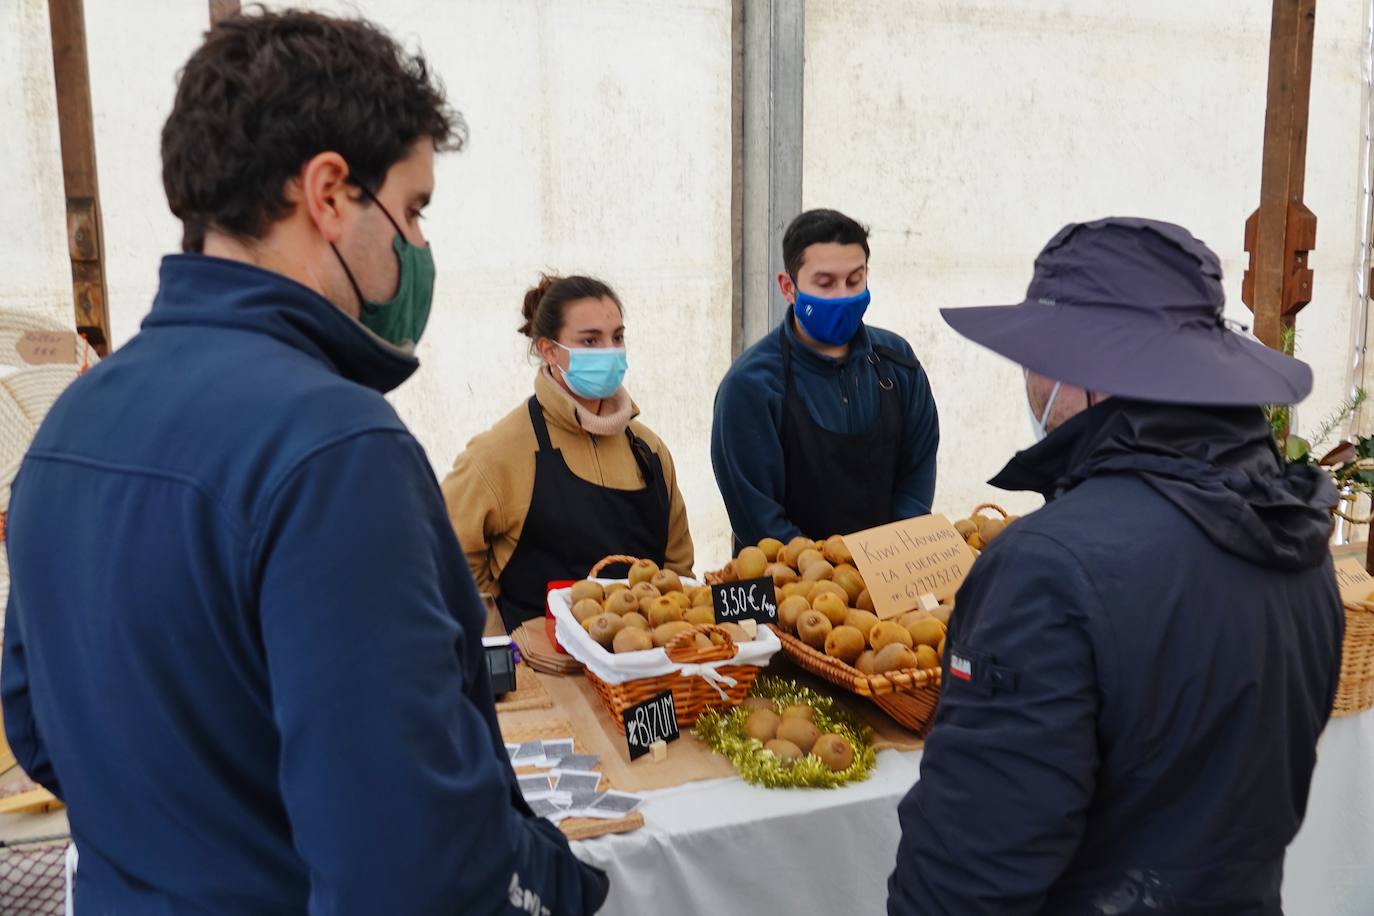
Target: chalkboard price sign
point(655, 719)
point(752, 599)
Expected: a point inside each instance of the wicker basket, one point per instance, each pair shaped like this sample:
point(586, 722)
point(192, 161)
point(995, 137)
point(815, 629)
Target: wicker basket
point(1355, 692)
point(692, 695)
point(909, 696)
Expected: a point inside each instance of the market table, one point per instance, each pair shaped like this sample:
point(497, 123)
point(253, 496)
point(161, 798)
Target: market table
point(710, 847)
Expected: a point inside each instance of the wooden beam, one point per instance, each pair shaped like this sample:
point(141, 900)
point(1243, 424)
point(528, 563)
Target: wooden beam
point(1282, 231)
point(76, 132)
point(222, 9)
point(30, 802)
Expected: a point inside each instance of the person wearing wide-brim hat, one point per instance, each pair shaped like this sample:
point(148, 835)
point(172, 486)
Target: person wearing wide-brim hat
point(1136, 674)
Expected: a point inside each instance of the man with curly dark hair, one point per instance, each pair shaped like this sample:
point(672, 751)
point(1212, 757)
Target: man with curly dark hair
point(242, 641)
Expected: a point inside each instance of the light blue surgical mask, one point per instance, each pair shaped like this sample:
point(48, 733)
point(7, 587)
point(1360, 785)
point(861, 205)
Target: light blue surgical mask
point(594, 372)
point(1040, 424)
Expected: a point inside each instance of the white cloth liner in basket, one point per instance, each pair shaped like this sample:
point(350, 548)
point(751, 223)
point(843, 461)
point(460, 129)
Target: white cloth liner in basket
point(617, 668)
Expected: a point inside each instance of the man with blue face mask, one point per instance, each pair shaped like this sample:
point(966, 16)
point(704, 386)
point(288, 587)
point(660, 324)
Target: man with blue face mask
point(827, 425)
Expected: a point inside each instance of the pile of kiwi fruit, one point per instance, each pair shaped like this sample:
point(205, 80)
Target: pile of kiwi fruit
point(978, 530)
point(823, 600)
point(791, 734)
point(647, 611)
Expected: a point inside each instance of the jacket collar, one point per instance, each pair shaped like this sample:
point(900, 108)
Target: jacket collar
point(859, 348)
point(199, 291)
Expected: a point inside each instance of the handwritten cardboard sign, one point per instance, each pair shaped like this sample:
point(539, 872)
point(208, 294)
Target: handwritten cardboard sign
point(1355, 583)
point(752, 599)
point(902, 561)
point(40, 347)
point(655, 719)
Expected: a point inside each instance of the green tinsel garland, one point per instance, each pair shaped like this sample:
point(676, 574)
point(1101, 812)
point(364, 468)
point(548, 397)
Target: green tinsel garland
point(723, 730)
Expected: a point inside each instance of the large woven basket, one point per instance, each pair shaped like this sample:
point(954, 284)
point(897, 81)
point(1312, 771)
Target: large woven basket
point(1355, 692)
point(691, 695)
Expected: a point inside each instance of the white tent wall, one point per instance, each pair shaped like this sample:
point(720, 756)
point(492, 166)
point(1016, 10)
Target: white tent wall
point(33, 235)
point(967, 132)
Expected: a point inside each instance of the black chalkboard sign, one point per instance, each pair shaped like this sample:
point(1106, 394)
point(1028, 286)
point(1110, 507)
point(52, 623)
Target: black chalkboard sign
point(752, 599)
point(655, 719)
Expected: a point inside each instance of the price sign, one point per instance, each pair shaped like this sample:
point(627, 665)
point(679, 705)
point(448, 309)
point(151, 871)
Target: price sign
point(41, 347)
point(655, 719)
point(752, 599)
point(1355, 584)
point(902, 561)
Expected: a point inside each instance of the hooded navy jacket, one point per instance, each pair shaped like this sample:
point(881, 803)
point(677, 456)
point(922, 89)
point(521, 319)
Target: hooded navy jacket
point(242, 642)
point(1135, 679)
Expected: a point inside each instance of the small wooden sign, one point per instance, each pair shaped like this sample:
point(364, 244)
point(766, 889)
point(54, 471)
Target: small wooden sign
point(41, 347)
point(752, 599)
point(655, 719)
point(1355, 583)
point(902, 561)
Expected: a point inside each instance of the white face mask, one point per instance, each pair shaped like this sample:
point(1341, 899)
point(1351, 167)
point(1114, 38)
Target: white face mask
point(1040, 424)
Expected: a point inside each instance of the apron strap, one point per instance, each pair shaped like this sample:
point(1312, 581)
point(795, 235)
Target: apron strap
point(640, 449)
point(541, 428)
point(901, 359)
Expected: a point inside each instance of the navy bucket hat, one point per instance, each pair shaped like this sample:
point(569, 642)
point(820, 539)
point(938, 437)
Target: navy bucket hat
point(1133, 308)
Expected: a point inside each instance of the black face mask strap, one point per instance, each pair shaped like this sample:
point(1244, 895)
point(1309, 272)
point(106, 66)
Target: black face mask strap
point(357, 290)
point(387, 213)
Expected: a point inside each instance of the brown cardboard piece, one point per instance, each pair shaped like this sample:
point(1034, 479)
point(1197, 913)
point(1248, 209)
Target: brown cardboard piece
point(902, 561)
point(41, 347)
point(1354, 581)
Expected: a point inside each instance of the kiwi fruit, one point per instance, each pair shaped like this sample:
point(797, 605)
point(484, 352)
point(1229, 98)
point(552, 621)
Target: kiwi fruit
point(813, 627)
point(759, 703)
point(792, 608)
point(817, 571)
point(750, 563)
point(823, 586)
point(647, 602)
point(701, 596)
point(615, 587)
point(865, 601)
point(642, 571)
point(834, 751)
point(762, 725)
point(844, 643)
point(665, 580)
point(927, 632)
point(586, 609)
point(700, 615)
point(976, 541)
point(636, 620)
point(926, 657)
point(604, 627)
point(940, 649)
point(799, 710)
point(622, 602)
point(893, 657)
point(795, 590)
point(836, 550)
point(738, 633)
point(770, 548)
point(785, 751)
point(793, 550)
point(664, 633)
point(863, 621)
point(885, 634)
point(865, 662)
point(832, 606)
point(632, 639)
point(704, 641)
point(645, 590)
point(663, 610)
point(807, 557)
point(989, 529)
point(680, 599)
point(910, 617)
point(783, 575)
point(966, 527)
point(587, 588)
point(852, 583)
point(942, 613)
point(801, 732)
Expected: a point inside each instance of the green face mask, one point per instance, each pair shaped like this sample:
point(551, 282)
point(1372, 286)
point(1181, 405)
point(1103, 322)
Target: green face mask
point(400, 320)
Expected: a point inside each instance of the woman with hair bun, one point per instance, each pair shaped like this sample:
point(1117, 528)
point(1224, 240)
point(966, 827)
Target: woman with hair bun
point(569, 476)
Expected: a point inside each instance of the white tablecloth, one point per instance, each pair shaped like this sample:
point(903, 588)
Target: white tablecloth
point(725, 847)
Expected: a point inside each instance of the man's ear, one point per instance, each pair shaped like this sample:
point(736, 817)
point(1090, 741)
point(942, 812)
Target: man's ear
point(322, 190)
point(787, 288)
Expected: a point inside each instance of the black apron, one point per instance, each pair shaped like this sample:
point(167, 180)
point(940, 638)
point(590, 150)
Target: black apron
point(839, 483)
point(573, 524)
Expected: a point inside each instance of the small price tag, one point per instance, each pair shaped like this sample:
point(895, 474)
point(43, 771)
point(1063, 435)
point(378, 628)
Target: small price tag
point(1355, 584)
point(655, 719)
point(752, 599)
point(41, 347)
